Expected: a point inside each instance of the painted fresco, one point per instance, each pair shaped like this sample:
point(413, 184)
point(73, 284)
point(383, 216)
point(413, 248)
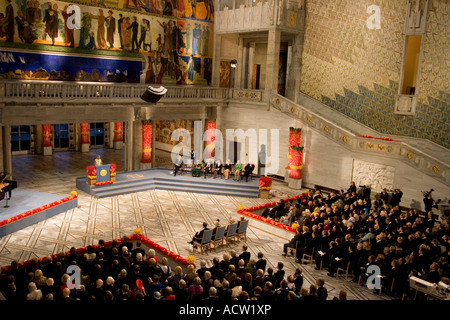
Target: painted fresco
point(64, 67)
point(164, 129)
point(172, 37)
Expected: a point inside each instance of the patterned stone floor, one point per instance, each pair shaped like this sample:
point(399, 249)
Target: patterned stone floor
point(166, 217)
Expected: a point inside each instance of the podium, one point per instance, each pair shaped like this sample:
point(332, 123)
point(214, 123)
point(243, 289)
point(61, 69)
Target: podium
point(103, 172)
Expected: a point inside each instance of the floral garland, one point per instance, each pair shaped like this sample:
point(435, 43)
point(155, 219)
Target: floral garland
point(383, 138)
point(136, 237)
point(248, 212)
point(265, 183)
point(112, 169)
point(36, 210)
point(102, 183)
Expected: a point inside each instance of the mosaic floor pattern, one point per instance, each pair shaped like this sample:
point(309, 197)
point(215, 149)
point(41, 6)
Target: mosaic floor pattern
point(166, 217)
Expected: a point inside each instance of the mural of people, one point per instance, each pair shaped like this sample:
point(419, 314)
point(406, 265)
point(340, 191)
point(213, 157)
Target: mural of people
point(175, 49)
point(68, 32)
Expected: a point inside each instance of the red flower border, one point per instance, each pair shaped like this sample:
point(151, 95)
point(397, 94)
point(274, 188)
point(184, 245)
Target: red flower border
point(248, 212)
point(36, 210)
point(102, 183)
point(135, 237)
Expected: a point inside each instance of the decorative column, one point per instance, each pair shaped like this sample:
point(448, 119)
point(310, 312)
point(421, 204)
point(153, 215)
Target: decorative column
point(147, 129)
point(118, 135)
point(84, 141)
point(210, 138)
point(47, 144)
point(295, 159)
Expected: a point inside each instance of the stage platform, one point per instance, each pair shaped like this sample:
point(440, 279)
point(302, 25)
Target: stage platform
point(163, 179)
point(30, 207)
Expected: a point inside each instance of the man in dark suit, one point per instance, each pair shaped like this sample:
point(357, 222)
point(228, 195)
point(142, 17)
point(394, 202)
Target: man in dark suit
point(199, 235)
point(245, 255)
point(291, 244)
point(178, 164)
point(261, 263)
point(248, 170)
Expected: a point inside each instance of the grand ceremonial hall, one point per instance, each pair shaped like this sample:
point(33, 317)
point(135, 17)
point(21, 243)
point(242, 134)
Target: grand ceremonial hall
point(224, 150)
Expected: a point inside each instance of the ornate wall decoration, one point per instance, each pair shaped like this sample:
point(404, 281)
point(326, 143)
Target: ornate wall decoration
point(376, 175)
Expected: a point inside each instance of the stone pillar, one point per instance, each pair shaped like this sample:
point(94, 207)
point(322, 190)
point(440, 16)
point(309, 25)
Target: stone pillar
point(118, 135)
point(129, 143)
point(6, 143)
point(47, 144)
point(84, 137)
point(251, 59)
point(216, 61)
point(273, 60)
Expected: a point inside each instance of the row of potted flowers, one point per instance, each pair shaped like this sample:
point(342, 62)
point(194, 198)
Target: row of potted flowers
point(248, 212)
point(37, 210)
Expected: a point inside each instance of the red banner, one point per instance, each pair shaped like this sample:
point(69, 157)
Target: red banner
point(47, 135)
point(147, 129)
point(84, 128)
point(210, 138)
point(118, 131)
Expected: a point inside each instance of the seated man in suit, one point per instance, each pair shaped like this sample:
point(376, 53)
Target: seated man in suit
point(208, 167)
point(199, 235)
point(217, 168)
point(178, 164)
point(248, 170)
point(292, 244)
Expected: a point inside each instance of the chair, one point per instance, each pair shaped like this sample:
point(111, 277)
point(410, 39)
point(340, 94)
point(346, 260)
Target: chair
point(220, 236)
point(338, 270)
point(292, 251)
point(188, 167)
point(309, 256)
point(231, 234)
point(206, 241)
point(242, 232)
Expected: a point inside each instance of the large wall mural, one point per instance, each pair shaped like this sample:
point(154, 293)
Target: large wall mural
point(172, 40)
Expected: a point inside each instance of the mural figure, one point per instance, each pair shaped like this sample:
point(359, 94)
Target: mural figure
point(110, 28)
point(8, 22)
point(101, 40)
point(134, 38)
point(68, 32)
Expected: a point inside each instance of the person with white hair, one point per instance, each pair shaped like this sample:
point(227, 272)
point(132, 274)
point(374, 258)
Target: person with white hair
point(35, 293)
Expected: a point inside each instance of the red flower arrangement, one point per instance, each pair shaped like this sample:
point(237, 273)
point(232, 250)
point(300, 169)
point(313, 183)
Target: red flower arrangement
point(136, 237)
point(112, 168)
point(102, 183)
point(248, 212)
point(91, 172)
point(36, 210)
point(265, 183)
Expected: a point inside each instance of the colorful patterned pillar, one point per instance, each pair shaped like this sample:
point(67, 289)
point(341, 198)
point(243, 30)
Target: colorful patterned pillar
point(147, 129)
point(118, 135)
point(295, 162)
point(47, 139)
point(210, 138)
point(84, 141)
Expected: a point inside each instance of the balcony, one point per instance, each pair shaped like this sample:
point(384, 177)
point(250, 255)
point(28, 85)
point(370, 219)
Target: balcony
point(32, 92)
point(233, 16)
